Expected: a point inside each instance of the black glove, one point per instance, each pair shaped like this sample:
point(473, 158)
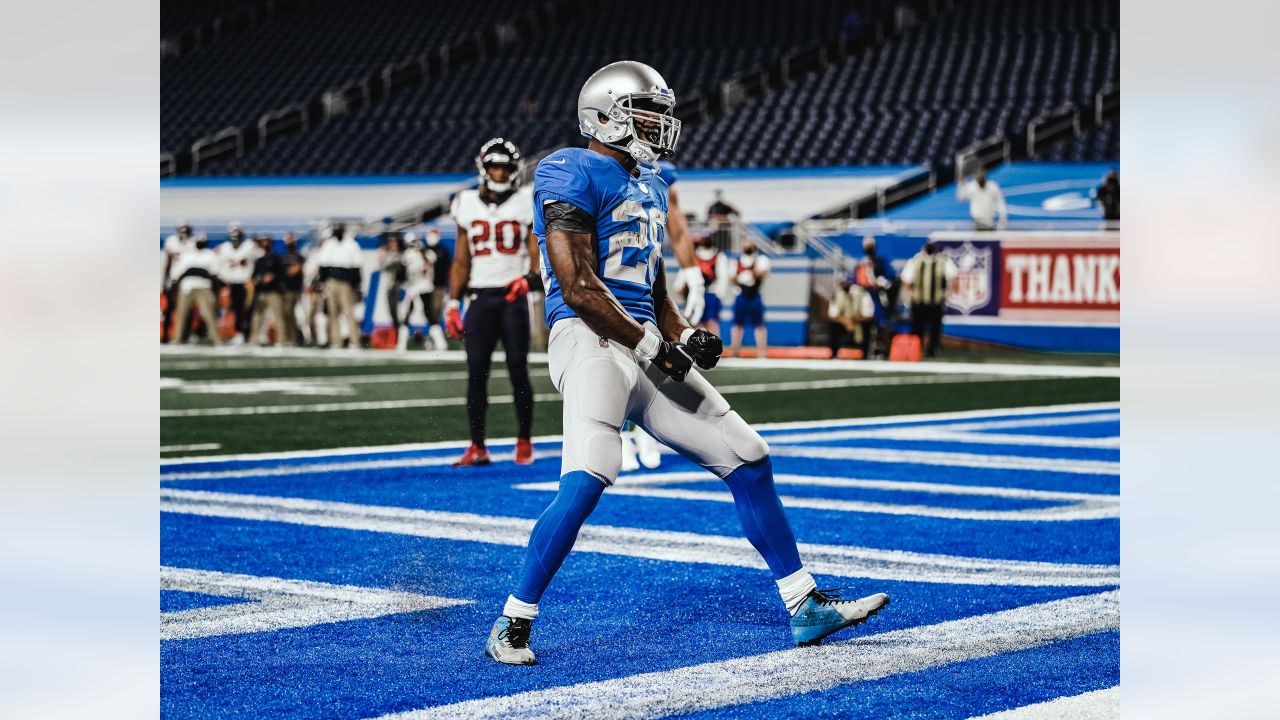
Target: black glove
point(673, 360)
point(706, 348)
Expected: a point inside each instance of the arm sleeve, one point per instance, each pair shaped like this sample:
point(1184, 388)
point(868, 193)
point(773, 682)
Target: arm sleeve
point(560, 215)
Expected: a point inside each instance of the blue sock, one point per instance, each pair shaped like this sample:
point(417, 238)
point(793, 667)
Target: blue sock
point(555, 532)
point(763, 519)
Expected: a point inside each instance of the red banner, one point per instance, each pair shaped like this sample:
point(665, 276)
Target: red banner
point(1060, 278)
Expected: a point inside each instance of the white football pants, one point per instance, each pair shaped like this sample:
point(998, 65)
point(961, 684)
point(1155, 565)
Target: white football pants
point(605, 383)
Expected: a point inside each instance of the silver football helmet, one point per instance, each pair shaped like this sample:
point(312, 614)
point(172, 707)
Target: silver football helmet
point(628, 106)
point(499, 152)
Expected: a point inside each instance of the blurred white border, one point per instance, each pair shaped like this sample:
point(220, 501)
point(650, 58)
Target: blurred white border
point(78, 203)
point(1200, 163)
point(78, 196)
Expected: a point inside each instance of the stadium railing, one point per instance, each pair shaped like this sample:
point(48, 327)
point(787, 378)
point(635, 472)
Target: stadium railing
point(227, 141)
point(1052, 125)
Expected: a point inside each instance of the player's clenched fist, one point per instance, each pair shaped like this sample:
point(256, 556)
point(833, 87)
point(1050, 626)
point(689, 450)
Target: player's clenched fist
point(705, 347)
point(669, 357)
point(453, 320)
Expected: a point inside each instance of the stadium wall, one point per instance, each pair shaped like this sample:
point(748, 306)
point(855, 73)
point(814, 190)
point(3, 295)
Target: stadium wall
point(1055, 291)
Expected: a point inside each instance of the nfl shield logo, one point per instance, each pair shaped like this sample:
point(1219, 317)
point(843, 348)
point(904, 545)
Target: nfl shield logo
point(972, 287)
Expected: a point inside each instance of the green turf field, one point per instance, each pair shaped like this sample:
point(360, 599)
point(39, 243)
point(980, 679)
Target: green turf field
point(237, 402)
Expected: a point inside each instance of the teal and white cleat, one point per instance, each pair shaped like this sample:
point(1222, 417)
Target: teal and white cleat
point(509, 642)
point(823, 613)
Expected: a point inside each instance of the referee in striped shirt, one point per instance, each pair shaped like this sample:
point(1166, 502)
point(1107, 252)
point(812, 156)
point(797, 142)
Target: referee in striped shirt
point(929, 275)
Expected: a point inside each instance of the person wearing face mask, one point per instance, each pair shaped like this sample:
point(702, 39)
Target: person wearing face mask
point(876, 276)
point(748, 307)
point(291, 264)
point(442, 259)
point(928, 276)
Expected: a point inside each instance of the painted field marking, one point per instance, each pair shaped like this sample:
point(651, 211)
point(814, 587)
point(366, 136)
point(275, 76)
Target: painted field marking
point(190, 448)
point(949, 459)
point(1052, 412)
point(1097, 705)
point(784, 673)
point(302, 385)
point(1075, 506)
point(285, 470)
point(170, 356)
point(972, 432)
point(683, 547)
point(744, 388)
point(278, 603)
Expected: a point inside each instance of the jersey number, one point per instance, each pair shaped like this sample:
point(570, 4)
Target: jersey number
point(633, 256)
point(506, 237)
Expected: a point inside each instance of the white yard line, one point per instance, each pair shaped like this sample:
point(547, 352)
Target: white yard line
point(784, 673)
point(766, 428)
point(168, 383)
point(190, 448)
point(278, 603)
point(741, 389)
point(313, 468)
point(683, 547)
point(969, 433)
point(264, 356)
point(1096, 705)
point(949, 459)
point(916, 457)
point(1073, 506)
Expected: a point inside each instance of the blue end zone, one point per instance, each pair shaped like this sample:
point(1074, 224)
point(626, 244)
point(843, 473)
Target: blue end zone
point(609, 616)
point(177, 600)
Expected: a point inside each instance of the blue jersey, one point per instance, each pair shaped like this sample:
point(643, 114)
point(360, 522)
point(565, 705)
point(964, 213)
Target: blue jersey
point(668, 172)
point(631, 221)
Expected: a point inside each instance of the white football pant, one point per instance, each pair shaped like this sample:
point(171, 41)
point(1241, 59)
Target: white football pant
point(605, 383)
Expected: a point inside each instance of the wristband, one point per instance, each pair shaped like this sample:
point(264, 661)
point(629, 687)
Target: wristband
point(453, 305)
point(648, 346)
point(684, 336)
point(693, 277)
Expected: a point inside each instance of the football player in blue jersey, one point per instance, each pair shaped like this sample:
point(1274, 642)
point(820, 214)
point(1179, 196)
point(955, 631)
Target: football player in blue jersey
point(620, 350)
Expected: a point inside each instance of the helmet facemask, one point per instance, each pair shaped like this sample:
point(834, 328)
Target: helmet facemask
point(652, 131)
point(499, 153)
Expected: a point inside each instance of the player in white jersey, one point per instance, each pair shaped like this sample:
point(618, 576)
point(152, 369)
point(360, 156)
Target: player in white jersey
point(176, 245)
point(420, 271)
point(496, 263)
point(193, 274)
point(237, 258)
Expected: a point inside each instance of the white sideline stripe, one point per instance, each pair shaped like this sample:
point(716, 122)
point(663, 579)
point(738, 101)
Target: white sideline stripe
point(784, 673)
point(555, 397)
point(188, 448)
point(309, 469)
point(968, 433)
point(278, 603)
point(938, 368)
point(1097, 705)
point(169, 383)
point(917, 457)
point(249, 354)
point(684, 547)
point(1076, 506)
point(762, 427)
point(949, 459)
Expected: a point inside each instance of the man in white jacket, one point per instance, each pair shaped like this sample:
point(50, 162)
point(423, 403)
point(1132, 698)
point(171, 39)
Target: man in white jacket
point(986, 201)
